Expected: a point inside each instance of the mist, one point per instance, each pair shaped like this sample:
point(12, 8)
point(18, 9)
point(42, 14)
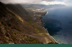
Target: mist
point(25, 1)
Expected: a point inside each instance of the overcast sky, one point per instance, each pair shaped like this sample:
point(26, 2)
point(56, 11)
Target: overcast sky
point(46, 2)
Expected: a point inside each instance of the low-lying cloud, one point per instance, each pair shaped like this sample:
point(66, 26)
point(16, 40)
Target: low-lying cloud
point(46, 2)
point(24, 1)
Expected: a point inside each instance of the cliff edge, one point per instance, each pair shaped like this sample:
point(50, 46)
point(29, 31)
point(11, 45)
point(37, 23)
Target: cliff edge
point(17, 26)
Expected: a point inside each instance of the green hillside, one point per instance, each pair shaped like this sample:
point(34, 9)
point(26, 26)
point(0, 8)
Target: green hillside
point(18, 27)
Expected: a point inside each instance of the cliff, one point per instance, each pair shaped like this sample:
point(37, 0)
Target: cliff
point(17, 26)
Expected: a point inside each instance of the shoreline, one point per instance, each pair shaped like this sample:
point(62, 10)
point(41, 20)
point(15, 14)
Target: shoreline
point(46, 29)
point(40, 14)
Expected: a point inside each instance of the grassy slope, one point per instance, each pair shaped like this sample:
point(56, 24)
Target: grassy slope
point(13, 28)
point(39, 31)
point(17, 26)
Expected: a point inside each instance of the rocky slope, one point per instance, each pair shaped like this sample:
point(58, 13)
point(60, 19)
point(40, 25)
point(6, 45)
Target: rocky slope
point(17, 26)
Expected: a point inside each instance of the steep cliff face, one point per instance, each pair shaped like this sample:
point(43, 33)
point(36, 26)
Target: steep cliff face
point(18, 27)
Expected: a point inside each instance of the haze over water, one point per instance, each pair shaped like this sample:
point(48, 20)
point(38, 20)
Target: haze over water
point(58, 22)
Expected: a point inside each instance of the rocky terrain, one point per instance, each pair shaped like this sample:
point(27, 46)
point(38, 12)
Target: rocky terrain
point(18, 26)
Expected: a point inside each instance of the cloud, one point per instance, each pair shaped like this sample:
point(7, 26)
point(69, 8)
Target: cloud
point(24, 1)
point(46, 2)
point(52, 3)
point(49, 0)
point(68, 2)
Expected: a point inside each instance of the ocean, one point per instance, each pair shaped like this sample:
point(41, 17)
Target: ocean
point(58, 22)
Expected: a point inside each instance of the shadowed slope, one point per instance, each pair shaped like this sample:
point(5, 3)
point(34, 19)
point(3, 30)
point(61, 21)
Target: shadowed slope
point(18, 26)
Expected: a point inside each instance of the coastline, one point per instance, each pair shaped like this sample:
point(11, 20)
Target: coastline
point(27, 32)
point(38, 15)
point(46, 29)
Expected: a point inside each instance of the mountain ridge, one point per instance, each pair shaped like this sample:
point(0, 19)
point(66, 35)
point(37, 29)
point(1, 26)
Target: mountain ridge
point(20, 28)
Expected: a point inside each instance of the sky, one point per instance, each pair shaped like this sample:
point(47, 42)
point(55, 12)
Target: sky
point(46, 2)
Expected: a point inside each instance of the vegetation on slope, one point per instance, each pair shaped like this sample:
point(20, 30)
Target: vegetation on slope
point(19, 27)
point(12, 28)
